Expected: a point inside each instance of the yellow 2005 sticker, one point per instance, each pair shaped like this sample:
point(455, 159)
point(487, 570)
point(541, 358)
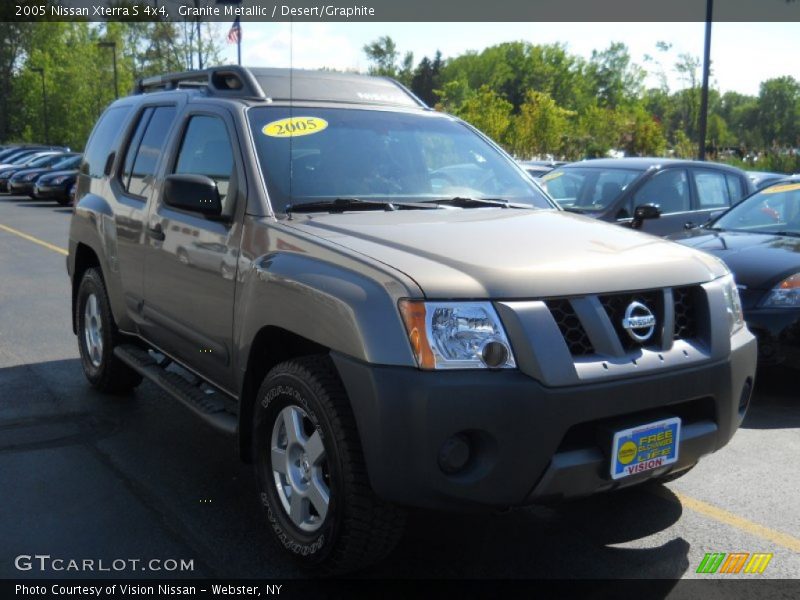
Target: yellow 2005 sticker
point(777, 189)
point(294, 127)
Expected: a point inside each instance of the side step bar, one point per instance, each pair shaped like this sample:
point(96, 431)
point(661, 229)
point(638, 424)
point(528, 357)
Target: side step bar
point(206, 406)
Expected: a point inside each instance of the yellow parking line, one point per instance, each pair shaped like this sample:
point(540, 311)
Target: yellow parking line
point(30, 238)
point(728, 518)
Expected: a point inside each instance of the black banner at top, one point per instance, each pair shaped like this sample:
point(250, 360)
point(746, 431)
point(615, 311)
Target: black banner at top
point(488, 11)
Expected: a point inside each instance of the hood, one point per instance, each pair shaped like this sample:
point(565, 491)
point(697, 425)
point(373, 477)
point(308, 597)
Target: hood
point(53, 174)
point(23, 172)
point(509, 253)
point(758, 261)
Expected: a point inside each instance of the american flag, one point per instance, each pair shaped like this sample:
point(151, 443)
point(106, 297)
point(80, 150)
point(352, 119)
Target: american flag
point(235, 33)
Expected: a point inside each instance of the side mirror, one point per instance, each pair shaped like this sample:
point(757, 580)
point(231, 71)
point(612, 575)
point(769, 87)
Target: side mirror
point(644, 211)
point(193, 193)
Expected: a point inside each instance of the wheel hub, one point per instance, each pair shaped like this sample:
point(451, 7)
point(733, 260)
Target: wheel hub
point(93, 330)
point(300, 468)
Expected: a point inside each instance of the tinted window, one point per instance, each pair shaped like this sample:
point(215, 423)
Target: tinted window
point(102, 140)
point(141, 176)
point(71, 162)
point(206, 150)
point(712, 189)
point(669, 189)
point(133, 146)
point(736, 189)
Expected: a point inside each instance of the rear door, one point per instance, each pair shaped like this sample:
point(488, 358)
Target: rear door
point(714, 191)
point(191, 260)
point(132, 187)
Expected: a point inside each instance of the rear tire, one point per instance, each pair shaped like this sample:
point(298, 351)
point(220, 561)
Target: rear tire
point(97, 337)
point(311, 472)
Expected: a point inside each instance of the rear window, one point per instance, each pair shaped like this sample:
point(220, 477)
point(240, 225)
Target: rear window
point(102, 140)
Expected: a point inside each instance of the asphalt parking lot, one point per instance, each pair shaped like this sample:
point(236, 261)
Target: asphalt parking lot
point(88, 476)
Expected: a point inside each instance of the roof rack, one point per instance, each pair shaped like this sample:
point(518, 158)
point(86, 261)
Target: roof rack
point(232, 81)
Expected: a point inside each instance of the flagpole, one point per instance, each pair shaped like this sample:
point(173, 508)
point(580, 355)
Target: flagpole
point(239, 48)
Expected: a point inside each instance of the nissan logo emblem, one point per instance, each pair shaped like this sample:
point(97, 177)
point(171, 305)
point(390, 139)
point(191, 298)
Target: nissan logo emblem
point(639, 322)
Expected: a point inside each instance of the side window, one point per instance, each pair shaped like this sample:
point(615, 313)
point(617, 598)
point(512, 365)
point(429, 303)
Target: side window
point(145, 161)
point(736, 189)
point(102, 140)
point(133, 146)
point(206, 150)
point(712, 189)
point(669, 189)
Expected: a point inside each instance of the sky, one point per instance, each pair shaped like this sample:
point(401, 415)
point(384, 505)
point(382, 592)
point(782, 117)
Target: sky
point(742, 54)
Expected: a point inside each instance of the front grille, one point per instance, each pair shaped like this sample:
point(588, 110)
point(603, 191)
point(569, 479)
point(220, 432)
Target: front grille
point(615, 306)
point(570, 326)
point(685, 300)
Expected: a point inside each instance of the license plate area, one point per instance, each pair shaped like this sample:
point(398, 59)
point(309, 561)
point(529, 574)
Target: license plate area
point(645, 447)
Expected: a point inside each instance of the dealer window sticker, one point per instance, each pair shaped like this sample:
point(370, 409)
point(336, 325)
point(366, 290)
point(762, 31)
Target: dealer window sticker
point(294, 127)
point(777, 189)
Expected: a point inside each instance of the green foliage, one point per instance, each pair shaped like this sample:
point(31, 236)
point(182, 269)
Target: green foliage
point(485, 109)
point(540, 127)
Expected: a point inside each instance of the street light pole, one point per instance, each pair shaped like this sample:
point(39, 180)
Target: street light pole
point(113, 46)
point(701, 154)
point(40, 70)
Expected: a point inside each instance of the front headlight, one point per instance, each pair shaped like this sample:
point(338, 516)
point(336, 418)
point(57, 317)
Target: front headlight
point(30, 177)
point(784, 295)
point(456, 335)
point(59, 179)
point(733, 304)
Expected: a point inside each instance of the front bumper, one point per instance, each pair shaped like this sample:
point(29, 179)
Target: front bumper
point(21, 188)
point(44, 192)
point(529, 443)
point(778, 333)
point(4, 186)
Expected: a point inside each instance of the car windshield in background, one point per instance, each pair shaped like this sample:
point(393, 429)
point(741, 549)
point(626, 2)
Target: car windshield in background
point(324, 154)
point(41, 161)
point(588, 189)
point(773, 210)
point(70, 162)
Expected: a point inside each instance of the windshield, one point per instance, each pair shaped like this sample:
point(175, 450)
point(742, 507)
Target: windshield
point(71, 162)
point(588, 188)
point(328, 153)
point(775, 209)
point(41, 161)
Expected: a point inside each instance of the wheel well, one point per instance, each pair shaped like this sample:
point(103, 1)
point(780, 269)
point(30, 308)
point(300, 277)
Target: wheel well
point(85, 258)
point(271, 346)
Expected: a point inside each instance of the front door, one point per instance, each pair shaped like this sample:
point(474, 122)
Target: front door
point(190, 272)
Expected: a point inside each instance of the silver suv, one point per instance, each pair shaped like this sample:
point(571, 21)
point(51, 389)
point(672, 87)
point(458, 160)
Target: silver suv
point(385, 310)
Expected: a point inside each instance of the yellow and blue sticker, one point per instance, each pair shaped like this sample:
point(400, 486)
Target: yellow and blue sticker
point(294, 127)
point(645, 448)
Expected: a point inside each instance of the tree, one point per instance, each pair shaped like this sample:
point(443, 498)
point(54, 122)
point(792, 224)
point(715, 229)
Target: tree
point(382, 54)
point(484, 109)
point(779, 111)
point(615, 79)
point(540, 127)
point(426, 78)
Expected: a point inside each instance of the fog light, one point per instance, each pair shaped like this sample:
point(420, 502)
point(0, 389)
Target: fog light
point(744, 399)
point(494, 354)
point(454, 454)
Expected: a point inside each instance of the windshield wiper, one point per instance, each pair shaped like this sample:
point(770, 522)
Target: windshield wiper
point(786, 233)
point(339, 205)
point(477, 202)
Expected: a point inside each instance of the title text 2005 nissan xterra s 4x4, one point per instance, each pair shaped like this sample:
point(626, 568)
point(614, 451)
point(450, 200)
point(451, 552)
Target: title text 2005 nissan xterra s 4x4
point(385, 309)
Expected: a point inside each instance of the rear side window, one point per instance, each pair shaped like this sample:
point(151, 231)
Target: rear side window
point(736, 189)
point(206, 150)
point(102, 140)
point(145, 150)
point(712, 190)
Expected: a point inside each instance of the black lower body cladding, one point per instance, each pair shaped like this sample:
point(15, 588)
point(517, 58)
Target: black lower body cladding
point(526, 443)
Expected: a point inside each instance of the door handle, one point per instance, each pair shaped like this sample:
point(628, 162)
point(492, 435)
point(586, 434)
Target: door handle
point(155, 232)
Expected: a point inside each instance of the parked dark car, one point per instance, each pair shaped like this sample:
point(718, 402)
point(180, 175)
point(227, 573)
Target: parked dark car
point(56, 185)
point(759, 240)
point(22, 182)
point(538, 168)
point(762, 179)
point(36, 160)
point(16, 154)
point(684, 192)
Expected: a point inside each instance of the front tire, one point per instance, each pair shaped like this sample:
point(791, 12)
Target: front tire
point(97, 337)
point(311, 472)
